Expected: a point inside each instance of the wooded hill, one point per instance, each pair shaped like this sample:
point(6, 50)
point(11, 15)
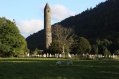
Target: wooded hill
point(101, 22)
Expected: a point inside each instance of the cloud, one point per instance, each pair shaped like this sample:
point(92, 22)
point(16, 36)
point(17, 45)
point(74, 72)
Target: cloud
point(60, 12)
point(28, 27)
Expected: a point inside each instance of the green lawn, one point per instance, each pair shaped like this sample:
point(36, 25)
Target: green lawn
point(40, 68)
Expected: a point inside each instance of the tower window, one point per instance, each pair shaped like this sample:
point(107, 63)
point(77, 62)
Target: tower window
point(48, 10)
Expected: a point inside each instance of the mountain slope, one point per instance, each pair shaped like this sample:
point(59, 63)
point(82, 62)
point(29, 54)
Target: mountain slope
point(36, 40)
point(100, 22)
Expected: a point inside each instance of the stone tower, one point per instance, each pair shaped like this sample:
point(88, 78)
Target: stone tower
point(47, 26)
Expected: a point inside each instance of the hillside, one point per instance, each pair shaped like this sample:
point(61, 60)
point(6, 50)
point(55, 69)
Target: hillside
point(36, 40)
point(100, 22)
point(97, 23)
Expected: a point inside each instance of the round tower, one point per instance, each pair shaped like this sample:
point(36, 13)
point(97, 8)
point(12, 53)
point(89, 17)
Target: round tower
point(47, 26)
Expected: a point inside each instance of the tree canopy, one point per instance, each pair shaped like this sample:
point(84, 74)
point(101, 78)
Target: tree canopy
point(12, 43)
point(82, 46)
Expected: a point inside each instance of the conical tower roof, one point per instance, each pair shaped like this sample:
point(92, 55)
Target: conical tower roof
point(47, 6)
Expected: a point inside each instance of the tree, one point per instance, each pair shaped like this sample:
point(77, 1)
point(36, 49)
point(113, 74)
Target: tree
point(106, 53)
point(55, 48)
point(36, 52)
point(82, 46)
point(95, 49)
point(64, 37)
point(116, 52)
point(11, 42)
point(102, 44)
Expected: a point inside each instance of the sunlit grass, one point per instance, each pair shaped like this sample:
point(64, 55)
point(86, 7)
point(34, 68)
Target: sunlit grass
point(29, 59)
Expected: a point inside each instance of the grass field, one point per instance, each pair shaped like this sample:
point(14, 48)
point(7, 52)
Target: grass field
point(40, 68)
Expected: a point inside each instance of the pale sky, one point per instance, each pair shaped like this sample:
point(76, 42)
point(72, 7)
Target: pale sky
point(28, 14)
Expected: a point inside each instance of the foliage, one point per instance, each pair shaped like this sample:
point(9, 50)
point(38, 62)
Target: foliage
point(102, 44)
point(82, 46)
point(64, 37)
point(106, 53)
point(116, 52)
point(95, 49)
point(11, 42)
point(55, 48)
point(37, 52)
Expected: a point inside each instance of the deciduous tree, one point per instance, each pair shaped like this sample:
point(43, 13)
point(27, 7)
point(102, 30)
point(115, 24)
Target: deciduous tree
point(11, 41)
point(64, 36)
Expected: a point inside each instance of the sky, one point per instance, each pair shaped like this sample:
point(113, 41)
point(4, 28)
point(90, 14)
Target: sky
point(29, 16)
